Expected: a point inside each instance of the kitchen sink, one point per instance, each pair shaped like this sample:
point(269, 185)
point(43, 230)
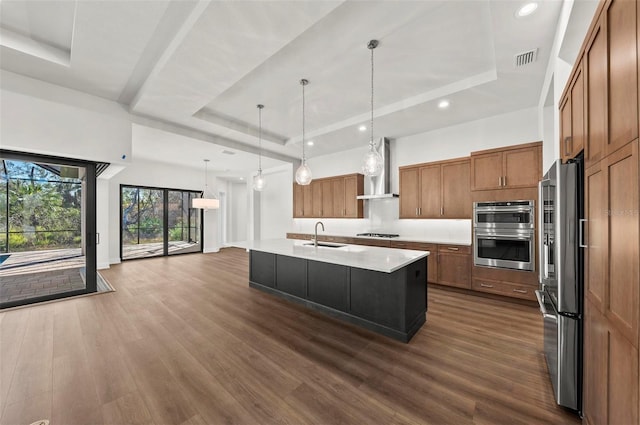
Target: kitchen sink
point(325, 244)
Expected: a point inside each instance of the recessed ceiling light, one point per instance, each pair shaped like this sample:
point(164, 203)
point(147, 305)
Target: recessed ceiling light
point(362, 128)
point(310, 143)
point(443, 104)
point(526, 10)
point(241, 178)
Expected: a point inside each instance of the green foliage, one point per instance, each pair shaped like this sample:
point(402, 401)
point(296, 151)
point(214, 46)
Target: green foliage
point(45, 213)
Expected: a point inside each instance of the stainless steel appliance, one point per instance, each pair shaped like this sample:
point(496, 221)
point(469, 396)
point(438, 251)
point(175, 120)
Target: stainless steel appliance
point(561, 278)
point(504, 234)
point(504, 215)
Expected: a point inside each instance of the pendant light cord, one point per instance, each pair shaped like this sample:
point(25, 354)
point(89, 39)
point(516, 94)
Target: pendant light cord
point(260, 139)
point(304, 83)
point(371, 47)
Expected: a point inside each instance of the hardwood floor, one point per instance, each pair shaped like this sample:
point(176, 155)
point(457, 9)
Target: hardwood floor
point(184, 340)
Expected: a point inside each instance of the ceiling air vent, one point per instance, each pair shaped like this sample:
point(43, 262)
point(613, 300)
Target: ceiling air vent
point(526, 58)
point(226, 152)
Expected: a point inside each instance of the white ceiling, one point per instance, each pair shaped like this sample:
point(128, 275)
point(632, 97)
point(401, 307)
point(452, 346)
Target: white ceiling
point(201, 67)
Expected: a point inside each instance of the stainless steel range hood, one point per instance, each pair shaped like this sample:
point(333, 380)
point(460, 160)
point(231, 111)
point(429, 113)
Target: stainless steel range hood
point(379, 187)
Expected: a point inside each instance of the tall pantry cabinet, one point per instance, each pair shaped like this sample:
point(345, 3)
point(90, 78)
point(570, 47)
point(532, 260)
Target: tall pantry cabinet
point(602, 95)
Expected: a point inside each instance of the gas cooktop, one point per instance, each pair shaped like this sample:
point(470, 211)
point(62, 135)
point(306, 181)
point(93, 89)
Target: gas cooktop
point(378, 235)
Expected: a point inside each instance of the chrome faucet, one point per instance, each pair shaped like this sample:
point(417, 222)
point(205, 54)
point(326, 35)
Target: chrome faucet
point(315, 240)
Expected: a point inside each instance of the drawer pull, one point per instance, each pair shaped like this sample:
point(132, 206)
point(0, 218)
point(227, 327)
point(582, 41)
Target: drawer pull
point(484, 285)
point(451, 248)
point(521, 291)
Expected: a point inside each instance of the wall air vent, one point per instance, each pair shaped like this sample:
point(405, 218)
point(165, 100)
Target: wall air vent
point(526, 58)
point(226, 152)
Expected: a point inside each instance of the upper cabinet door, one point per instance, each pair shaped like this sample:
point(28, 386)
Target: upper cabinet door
point(456, 190)
point(409, 192)
point(577, 113)
point(430, 194)
point(298, 201)
point(338, 197)
point(327, 198)
point(623, 73)
point(353, 186)
point(486, 171)
point(522, 167)
point(565, 128)
point(596, 102)
point(316, 198)
point(307, 195)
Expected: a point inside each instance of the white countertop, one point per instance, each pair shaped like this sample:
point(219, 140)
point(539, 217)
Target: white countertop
point(374, 258)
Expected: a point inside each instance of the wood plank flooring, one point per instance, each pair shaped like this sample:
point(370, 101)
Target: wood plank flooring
point(184, 340)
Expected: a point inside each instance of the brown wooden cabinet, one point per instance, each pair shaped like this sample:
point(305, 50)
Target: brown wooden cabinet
point(612, 210)
point(513, 167)
point(612, 288)
point(595, 65)
point(621, 20)
point(409, 192)
point(572, 118)
point(332, 197)
point(454, 266)
point(436, 190)
point(507, 168)
point(302, 201)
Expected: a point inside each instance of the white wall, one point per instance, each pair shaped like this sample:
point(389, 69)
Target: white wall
point(39, 117)
point(450, 142)
point(238, 212)
point(155, 174)
point(276, 204)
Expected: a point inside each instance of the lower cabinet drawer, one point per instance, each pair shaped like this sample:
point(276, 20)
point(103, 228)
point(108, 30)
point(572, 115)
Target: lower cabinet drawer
point(504, 288)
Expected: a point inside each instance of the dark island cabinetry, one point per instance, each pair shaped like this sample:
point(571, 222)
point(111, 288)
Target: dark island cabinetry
point(393, 304)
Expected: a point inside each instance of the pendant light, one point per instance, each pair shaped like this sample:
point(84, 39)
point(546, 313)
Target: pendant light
point(259, 182)
point(303, 173)
point(372, 162)
point(204, 202)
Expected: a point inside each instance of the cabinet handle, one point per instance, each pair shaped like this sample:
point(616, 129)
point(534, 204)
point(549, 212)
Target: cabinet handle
point(441, 210)
point(416, 211)
point(566, 143)
point(520, 291)
point(452, 248)
point(500, 181)
point(504, 181)
point(581, 243)
point(420, 211)
point(484, 285)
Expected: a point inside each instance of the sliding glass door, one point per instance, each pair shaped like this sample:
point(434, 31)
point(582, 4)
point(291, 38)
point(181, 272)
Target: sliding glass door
point(48, 228)
point(183, 223)
point(158, 222)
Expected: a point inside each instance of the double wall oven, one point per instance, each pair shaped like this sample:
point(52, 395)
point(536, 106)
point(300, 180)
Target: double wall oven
point(504, 234)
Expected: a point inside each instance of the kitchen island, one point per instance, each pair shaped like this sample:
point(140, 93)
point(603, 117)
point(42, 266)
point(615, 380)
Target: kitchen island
point(380, 289)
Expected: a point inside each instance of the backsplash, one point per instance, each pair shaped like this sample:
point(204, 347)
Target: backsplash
point(382, 216)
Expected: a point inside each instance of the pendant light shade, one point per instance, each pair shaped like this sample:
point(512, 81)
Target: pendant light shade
point(303, 173)
point(205, 202)
point(259, 182)
point(372, 162)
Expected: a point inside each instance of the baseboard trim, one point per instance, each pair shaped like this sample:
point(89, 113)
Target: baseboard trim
point(209, 251)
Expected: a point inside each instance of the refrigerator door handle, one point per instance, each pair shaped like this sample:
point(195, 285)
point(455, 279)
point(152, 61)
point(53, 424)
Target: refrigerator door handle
point(581, 243)
point(543, 309)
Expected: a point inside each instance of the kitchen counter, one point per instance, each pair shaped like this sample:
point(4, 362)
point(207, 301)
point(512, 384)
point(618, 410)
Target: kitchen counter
point(401, 238)
point(380, 289)
point(374, 258)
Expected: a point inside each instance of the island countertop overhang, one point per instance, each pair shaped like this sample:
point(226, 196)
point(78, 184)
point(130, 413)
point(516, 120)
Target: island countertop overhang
point(386, 260)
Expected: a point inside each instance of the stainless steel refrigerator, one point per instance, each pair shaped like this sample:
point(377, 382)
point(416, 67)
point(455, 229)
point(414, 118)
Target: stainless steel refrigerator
point(560, 222)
